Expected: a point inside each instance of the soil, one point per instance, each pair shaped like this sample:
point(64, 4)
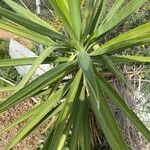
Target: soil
point(4, 35)
point(29, 143)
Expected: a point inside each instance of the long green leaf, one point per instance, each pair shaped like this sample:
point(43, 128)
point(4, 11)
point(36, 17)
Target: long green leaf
point(75, 15)
point(99, 105)
point(38, 84)
point(113, 10)
point(120, 103)
point(128, 59)
point(68, 126)
point(85, 63)
point(27, 14)
point(137, 36)
point(85, 142)
point(106, 121)
point(16, 62)
point(23, 32)
point(120, 16)
point(98, 16)
point(88, 16)
point(45, 53)
point(30, 60)
point(65, 111)
point(65, 133)
point(111, 66)
point(77, 121)
point(30, 24)
point(62, 11)
point(125, 59)
point(43, 111)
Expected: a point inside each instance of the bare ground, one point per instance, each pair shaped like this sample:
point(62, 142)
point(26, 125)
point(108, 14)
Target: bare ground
point(4, 35)
point(10, 116)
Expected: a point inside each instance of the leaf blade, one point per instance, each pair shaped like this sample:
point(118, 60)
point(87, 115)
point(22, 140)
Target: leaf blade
point(99, 105)
point(27, 14)
point(118, 100)
point(65, 111)
point(119, 17)
point(35, 86)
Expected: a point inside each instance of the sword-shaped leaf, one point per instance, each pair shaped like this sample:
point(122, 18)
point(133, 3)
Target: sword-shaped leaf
point(30, 24)
point(30, 60)
point(114, 70)
point(77, 120)
point(45, 53)
point(62, 10)
point(43, 110)
point(99, 105)
point(27, 14)
point(38, 84)
point(23, 32)
point(85, 142)
point(118, 17)
point(116, 6)
point(120, 103)
point(75, 15)
point(98, 16)
point(63, 116)
point(137, 36)
point(128, 59)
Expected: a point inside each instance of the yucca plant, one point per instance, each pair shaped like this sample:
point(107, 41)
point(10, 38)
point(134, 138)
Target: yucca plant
point(77, 52)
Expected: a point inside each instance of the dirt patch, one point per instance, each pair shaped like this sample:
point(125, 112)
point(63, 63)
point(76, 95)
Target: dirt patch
point(7, 36)
point(29, 143)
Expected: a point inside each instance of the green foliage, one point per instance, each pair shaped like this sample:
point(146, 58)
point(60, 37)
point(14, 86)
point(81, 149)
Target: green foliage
point(8, 72)
point(70, 100)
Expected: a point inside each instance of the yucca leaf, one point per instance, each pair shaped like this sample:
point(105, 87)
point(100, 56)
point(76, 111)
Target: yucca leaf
point(120, 103)
point(85, 63)
point(45, 53)
point(128, 59)
point(116, 6)
point(38, 84)
point(77, 120)
point(106, 120)
point(68, 126)
point(64, 135)
point(42, 112)
point(98, 16)
point(137, 36)
point(63, 13)
point(114, 70)
point(90, 5)
point(99, 105)
point(60, 124)
point(30, 24)
point(16, 62)
point(27, 14)
point(75, 15)
point(85, 142)
point(23, 32)
point(30, 60)
point(120, 16)
point(87, 18)
point(63, 7)
point(140, 40)
point(125, 59)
